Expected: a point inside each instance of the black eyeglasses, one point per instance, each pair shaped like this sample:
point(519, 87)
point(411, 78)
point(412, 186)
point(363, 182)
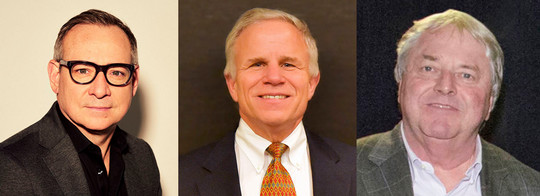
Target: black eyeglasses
point(84, 72)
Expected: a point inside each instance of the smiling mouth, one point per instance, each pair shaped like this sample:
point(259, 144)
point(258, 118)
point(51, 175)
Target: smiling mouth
point(274, 96)
point(442, 106)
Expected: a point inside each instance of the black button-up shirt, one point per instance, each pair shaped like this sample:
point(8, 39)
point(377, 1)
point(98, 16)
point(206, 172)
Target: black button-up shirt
point(94, 169)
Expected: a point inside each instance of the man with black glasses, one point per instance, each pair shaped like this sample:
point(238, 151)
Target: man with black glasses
point(77, 147)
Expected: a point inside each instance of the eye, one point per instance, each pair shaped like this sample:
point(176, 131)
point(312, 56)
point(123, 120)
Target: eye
point(117, 73)
point(466, 76)
point(427, 68)
point(257, 64)
point(288, 65)
point(82, 71)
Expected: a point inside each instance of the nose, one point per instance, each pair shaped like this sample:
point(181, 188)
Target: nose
point(445, 84)
point(99, 87)
point(273, 75)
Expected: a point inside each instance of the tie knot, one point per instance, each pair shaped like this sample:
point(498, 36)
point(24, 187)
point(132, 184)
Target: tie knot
point(276, 149)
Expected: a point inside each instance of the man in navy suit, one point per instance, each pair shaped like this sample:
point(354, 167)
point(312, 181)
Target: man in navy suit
point(272, 72)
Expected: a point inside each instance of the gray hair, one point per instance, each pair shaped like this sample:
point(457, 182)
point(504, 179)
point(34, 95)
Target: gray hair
point(462, 21)
point(98, 17)
point(258, 14)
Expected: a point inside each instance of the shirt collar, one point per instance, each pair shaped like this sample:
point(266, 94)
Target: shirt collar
point(80, 142)
point(471, 174)
point(254, 146)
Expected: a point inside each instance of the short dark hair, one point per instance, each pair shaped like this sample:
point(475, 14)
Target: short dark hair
point(94, 16)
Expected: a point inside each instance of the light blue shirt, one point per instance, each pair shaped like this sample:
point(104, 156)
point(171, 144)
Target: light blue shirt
point(426, 183)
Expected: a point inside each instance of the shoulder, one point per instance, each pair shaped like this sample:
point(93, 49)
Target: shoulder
point(195, 159)
point(370, 140)
point(24, 144)
point(137, 145)
point(519, 174)
point(141, 168)
point(139, 151)
point(215, 161)
point(339, 147)
point(19, 154)
point(27, 135)
point(13, 180)
point(388, 139)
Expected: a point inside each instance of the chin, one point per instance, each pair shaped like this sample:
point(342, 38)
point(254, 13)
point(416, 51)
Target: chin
point(98, 125)
point(440, 131)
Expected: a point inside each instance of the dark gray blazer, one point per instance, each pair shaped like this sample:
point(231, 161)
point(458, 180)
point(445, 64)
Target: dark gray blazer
point(212, 170)
point(382, 169)
point(41, 160)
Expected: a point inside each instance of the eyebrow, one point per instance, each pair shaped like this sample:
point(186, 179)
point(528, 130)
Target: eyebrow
point(429, 57)
point(471, 67)
point(465, 66)
point(287, 59)
point(257, 59)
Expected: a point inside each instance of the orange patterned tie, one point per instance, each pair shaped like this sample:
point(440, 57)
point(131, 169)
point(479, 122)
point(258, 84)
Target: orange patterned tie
point(277, 180)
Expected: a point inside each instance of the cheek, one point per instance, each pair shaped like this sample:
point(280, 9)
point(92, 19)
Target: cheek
point(478, 99)
point(122, 95)
point(68, 90)
point(245, 83)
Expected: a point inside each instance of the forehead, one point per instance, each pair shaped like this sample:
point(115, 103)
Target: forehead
point(451, 41)
point(91, 41)
point(273, 34)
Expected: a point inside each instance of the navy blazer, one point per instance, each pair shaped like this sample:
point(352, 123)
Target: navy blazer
point(383, 169)
point(212, 170)
point(41, 160)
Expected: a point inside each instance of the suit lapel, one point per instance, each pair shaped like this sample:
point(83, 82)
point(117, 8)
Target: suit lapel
point(390, 156)
point(62, 159)
point(493, 171)
point(222, 178)
point(327, 175)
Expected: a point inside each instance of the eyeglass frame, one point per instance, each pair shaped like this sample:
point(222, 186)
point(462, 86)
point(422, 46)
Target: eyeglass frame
point(99, 68)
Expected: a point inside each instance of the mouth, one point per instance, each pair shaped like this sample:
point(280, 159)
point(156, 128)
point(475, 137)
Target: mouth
point(98, 108)
point(442, 106)
point(274, 96)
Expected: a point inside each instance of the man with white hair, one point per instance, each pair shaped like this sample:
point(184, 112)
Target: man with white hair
point(449, 72)
point(271, 72)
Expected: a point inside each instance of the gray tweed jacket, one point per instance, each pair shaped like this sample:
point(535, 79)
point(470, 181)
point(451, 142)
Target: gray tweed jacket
point(382, 169)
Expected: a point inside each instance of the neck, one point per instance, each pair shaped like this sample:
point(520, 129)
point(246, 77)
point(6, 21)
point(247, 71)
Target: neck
point(273, 133)
point(443, 153)
point(450, 158)
point(101, 138)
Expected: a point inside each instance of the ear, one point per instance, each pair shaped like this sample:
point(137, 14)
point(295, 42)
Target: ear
point(399, 91)
point(491, 106)
point(135, 81)
point(53, 69)
point(313, 82)
point(231, 85)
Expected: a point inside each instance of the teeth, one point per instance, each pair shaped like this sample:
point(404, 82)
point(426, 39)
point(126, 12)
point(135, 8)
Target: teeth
point(442, 106)
point(273, 96)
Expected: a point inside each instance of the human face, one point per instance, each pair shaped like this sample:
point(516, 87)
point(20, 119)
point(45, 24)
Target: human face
point(445, 91)
point(98, 105)
point(272, 84)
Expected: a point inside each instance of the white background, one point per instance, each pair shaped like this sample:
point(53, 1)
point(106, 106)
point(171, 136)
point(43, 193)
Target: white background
point(28, 32)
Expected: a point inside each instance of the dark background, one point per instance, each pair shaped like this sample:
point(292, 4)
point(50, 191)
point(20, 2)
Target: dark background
point(515, 122)
point(207, 112)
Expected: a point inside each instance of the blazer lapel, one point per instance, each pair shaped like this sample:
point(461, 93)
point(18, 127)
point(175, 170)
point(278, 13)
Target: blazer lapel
point(327, 175)
point(390, 156)
point(222, 178)
point(62, 158)
point(493, 171)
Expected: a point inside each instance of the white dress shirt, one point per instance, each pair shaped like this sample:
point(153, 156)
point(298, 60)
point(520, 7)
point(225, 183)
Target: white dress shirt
point(426, 183)
point(253, 160)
